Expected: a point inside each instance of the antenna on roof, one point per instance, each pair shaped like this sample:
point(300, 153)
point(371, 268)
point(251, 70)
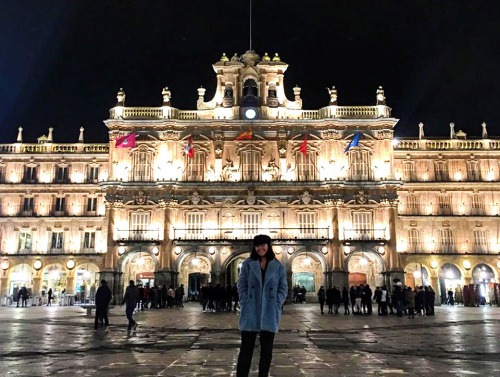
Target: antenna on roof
point(250, 25)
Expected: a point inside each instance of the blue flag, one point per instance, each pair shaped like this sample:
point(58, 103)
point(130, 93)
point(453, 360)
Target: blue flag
point(354, 142)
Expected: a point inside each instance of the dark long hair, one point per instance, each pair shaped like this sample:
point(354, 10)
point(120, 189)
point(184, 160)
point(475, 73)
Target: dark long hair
point(260, 240)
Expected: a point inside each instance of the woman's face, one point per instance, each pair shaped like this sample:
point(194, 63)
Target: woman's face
point(261, 249)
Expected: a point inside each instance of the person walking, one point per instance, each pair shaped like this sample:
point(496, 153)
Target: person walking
point(262, 290)
point(49, 297)
point(130, 299)
point(321, 298)
point(102, 299)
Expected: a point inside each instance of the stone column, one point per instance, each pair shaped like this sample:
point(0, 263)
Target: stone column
point(37, 284)
point(111, 248)
point(70, 284)
point(394, 268)
point(286, 261)
point(166, 274)
point(336, 274)
point(118, 287)
point(3, 285)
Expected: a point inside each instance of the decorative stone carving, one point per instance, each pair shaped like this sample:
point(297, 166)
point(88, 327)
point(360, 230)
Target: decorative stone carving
point(331, 135)
point(140, 198)
point(380, 96)
point(333, 95)
point(169, 135)
point(306, 197)
point(251, 198)
point(195, 198)
point(361, 197)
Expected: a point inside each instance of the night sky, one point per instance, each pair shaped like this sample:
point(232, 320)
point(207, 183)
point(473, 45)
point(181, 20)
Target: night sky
point(62, 62)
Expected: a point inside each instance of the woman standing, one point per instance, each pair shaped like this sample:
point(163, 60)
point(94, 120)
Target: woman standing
point(262, 290)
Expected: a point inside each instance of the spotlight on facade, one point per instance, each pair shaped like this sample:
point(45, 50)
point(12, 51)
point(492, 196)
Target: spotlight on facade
point(211, 250)
point(121, 250)
point(290, 250)
point(178, 250)
point(324, 250)
point(37, 265)
point(363, 261)
point(4, 265)
point(277, 249)
point(434, 264)
point(307, 260)
point(347, 249)
point(466, 263)
point(195, 261)
point(155, 250)
point(70, 264)
point(140, 261)
point(381, 250)
point(450, 274)
point(417, 274)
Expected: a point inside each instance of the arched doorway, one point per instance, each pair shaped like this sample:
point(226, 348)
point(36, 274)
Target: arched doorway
point(21, 276)
point(416, 275)
point(86, 282)
point(365, 268)
point(195, 271)
point(53, 277)
point(139, 267)
point(484, 277)
point(307, 272)
point(450, 280)
point(234, 267)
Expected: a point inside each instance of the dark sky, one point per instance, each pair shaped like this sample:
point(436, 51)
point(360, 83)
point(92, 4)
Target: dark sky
point(62, 62)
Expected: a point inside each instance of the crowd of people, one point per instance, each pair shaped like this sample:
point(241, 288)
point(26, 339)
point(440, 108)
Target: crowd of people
point(160, 298)
point(358, 300)
point(219, 298)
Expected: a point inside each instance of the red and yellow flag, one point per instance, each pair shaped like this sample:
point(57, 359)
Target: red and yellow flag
point(245, 135)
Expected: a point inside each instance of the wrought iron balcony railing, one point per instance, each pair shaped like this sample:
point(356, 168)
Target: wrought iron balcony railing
point(138, 235)
point(365, 234)
point(193, 234)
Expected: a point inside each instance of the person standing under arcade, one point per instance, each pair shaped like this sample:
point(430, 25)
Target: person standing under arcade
point(262, 290)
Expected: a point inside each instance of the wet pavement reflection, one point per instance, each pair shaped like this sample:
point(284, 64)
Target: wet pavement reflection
point(43, 341)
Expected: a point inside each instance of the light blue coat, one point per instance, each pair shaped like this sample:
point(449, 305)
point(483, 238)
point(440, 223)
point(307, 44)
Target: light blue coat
point(260, 303)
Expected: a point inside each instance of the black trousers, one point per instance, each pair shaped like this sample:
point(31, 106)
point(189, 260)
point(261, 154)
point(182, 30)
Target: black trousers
point(246, 353)
point(101, 313)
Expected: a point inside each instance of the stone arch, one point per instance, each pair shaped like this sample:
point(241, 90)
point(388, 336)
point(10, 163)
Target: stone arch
point(365, 262)
point(416, 275)
point(19, 275)
point(451, 278)
point(308, 268)
point(195, 270)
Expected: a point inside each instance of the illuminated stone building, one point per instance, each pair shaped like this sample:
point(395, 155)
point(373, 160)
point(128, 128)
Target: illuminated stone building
point(182, 203)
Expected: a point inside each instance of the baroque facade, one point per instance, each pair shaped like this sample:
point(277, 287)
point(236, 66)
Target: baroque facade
point(183, 203)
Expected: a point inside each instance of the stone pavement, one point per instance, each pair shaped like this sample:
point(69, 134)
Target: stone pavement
point(60, 341)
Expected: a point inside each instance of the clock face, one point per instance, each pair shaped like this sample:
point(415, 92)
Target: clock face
point(250, 114)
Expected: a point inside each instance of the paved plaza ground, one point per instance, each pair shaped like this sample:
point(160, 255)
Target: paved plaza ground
point(60, 341)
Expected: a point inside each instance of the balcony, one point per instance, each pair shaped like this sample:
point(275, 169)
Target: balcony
point(231, 234)
point(138, 236)
point(365, 235)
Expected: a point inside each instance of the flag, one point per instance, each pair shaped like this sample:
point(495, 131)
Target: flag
point(245, 135)
point(127, 141)
point(354, 142)
point(189, 148)
point(303, 147)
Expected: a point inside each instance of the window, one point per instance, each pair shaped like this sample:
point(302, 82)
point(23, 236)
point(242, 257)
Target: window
point(24, 241)
point(359, 165)
point(480, 241)
point(29, 174)
point(139, 223)
point(306, 167)
point(56, 241)
point(93, 174)
point(446, 240)
point(194, 225)
point(477, 205)
point(251, 223)
point(441, 171)
point(250, 165)
point(409, 173)
point(473, 171)
point(411, 204)
point(195, 167)
point(307, 224)
point(60, 206)
point(414, 240)
point(362, 226)
point(444, 202)
point(89, 240)
point(142, 171)
point(28, 206)
point(91, 205)
point(62, 174)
